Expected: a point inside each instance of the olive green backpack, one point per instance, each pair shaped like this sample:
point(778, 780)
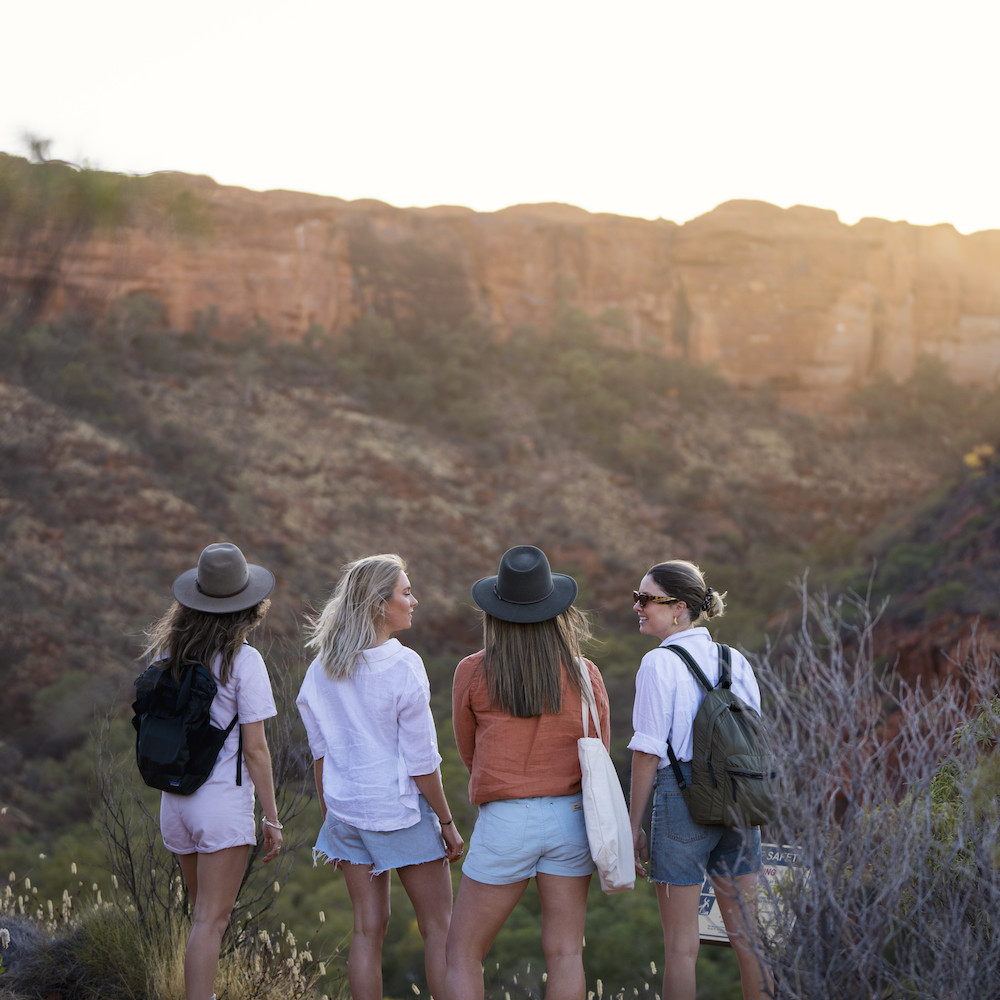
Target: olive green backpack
point(733, 773)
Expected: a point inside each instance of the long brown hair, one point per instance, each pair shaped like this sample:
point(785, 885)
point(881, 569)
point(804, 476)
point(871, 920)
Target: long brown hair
point(524, 661)
point(184, 636)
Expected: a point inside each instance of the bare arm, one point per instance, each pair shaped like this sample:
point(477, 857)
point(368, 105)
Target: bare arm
point(431, 789)
point(318, 776)
point(644, 767)
point(258, 760)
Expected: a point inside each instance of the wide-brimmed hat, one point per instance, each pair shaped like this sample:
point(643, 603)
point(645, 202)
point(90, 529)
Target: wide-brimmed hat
point(223, 581)
point(525, 589)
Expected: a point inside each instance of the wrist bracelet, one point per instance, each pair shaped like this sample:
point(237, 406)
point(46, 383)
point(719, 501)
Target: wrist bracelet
point(447, 822)
point(273, 826)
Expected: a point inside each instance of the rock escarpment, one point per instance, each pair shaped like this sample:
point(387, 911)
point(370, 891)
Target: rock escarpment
point(791, 299)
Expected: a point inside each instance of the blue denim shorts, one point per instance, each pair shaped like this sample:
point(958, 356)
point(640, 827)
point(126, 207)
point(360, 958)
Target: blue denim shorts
point(515, 839)
point(380, 849)
point(682, 851)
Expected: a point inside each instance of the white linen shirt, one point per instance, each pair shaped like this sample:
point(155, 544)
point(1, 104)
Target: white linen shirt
point(373, 731)
point(667, 695)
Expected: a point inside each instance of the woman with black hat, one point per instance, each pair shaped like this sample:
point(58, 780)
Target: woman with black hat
point(517, 714)
point(217, 605)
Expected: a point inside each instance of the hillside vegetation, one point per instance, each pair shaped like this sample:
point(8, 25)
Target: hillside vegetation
point(126, 446)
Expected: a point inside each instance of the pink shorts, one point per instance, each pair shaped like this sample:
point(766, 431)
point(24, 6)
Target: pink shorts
point(216, 816)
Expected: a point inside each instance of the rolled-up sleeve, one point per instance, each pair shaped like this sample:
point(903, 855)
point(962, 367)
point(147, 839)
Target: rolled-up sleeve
point(652, 711)
point(417, 736)
point(314, 732)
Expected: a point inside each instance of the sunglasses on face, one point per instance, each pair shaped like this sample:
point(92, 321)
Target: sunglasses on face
point(643, 599)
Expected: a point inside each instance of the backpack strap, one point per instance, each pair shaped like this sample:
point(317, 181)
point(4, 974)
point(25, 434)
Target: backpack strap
point(692, 664)
point(725, 680)
point(239, 750)
point(725, 666)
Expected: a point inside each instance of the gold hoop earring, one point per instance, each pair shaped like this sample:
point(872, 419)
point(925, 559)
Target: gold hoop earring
point(676, 620)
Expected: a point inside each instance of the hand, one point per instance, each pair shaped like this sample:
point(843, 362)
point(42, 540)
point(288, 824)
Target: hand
point(454, 845)
point(641, 852)
point(272, 842)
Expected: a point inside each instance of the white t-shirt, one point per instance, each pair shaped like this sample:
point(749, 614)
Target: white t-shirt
point(373, 731)
point(248, 694)
point(220, 813)
point(667, 695)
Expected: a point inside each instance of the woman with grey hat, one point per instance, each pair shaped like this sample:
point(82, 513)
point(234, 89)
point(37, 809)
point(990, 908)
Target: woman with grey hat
point(517, 711)
point(365, 704)
point(217, 605)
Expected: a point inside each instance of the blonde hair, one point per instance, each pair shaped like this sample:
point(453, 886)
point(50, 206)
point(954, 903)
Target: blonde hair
point(185, 635)
point(685, 581)
point(524, 661)
point(347, 624)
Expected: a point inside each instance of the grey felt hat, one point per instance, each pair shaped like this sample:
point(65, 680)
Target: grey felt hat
point(223, 581)
point(524, 589)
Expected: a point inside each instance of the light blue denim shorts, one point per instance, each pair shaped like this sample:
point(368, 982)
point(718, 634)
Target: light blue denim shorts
point(682, 851)
point(515, 839)
point(380, 849)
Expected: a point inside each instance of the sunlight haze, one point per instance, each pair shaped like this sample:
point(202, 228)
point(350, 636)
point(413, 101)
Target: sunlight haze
point(652, 109)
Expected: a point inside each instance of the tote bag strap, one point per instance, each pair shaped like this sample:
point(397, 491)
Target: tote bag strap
point(587, 699)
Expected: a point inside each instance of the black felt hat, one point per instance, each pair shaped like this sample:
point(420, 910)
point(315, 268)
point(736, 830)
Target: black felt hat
point(525, 589)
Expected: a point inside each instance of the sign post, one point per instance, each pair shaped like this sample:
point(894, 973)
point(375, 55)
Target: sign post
point(778, 862)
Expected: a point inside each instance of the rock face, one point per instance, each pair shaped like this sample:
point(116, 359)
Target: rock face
point(789, 299)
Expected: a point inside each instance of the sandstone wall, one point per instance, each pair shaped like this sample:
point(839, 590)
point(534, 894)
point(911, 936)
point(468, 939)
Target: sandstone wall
point(792, 299)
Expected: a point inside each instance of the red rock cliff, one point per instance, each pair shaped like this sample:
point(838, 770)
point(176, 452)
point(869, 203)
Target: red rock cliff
point(791, 298)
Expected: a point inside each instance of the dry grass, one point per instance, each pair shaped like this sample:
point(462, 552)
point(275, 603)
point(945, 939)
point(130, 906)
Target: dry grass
point(98, 946)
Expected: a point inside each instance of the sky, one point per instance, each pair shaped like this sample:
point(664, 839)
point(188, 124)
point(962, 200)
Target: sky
point(649, 108)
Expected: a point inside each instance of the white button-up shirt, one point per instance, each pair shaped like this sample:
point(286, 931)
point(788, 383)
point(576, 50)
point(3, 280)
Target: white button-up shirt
point(373, 731)
point(667, 695)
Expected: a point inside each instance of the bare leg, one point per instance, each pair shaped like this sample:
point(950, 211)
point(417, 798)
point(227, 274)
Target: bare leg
point(480, 911)
point(679, 916)
point(564, 914)
point(428, 887)
point(189, 872)
point(737, 899)
point(370, 903)
point(213, 882)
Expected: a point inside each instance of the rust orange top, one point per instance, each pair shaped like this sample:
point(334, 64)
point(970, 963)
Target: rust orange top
point(511, 758)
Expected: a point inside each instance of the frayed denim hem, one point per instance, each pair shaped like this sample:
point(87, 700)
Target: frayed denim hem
point(321, 857)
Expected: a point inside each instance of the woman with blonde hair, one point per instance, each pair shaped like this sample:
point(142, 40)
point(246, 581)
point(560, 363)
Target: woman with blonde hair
point(671, 603)
point(217, 605)
point(517, 710)
point(365, 703)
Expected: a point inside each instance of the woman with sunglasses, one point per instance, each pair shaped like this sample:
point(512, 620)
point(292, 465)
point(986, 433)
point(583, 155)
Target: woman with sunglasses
point(671, 602)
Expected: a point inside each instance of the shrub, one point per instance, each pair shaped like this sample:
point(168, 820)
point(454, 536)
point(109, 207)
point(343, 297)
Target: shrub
point(900, 883)
point(126, 941)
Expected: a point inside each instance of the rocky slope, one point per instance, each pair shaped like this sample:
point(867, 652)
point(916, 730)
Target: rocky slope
point(132, 435)
point(96, 522)
point(791, 299)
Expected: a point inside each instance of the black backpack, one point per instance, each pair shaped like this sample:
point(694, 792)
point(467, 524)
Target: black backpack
point(176, 745)
point(733, 771)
